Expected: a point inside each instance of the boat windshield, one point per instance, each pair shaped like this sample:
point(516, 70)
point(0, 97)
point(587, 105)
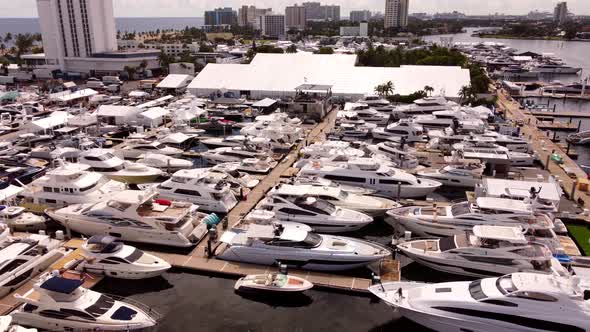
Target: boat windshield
point(324, 206)
point(460, 208)
point(390, 172)
point(106, 156)
point(343, 195)
point(102, 305)
point(311, 241)
point(134, 256)
point(505, 284)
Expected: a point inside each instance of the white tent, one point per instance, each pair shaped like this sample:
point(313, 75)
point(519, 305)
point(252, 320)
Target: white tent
point(175, 81)
point(117, 114)
point(54, 120)
point(138, 94)
point(154, 116)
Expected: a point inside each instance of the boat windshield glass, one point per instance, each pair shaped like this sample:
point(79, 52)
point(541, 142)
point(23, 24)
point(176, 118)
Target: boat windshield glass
point(343, 195)
point(460, 208)
point(390, 172)
point(323, 205)
point(118, 205)
point(505, 284)
point(134, 256)
point(102, 305)
point(106, 156)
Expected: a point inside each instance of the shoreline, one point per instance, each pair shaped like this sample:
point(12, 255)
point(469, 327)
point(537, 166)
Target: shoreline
point(529, 38)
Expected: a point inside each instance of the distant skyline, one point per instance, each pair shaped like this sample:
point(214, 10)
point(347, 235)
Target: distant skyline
point(195, 8)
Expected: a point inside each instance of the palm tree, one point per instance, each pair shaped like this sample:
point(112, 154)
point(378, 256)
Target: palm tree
point(8, 37)
point(385, 89)
point(465, 93)
point(291, 49)
point(428, 89)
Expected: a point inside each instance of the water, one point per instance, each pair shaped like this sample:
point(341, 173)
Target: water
point(138, 24)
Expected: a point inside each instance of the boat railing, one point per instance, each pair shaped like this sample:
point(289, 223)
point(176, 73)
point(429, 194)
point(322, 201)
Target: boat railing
point(142, 306)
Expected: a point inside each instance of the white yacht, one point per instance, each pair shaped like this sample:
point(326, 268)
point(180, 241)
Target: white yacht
point(405, 128)
point(403, 158)
point(135, 216)
point(16, 218)
point(236, 178)
point(386, 180)
point(425, 105)
point(6, 325)
point(57, 303)
point(321, 182)
point(224, 155)
point(135, 148)
point(330, 148)
point(557, 68)
point(464, 175)
point(515, 302)
point(295, 247)
point(105, 162)
point(486, 149)
point(104, 255)
point(225, 142)
point(164, 162)
point(24, 258)
point(350, 132)
point(198, 186)
point(319, 214)
point(374, 101)
point(448, 119)
point(582, 138)
point(7, 149)
point(513, 143)
point(486, 251)
point(370, 205)
point(68, 184)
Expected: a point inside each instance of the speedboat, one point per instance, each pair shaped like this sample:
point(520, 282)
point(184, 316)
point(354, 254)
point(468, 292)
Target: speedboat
point(272, 282)
point(405, 128)
point(136, 216)
point(105, 162)
point(210, 193)
point(68, 184)
point(57, 303)
point(455, 175)
point(513, 302)
point(16, 218)
point(164, 162)
point(294, 247)
point(24, 258)
point(136, 148)
point(319, 214)
point(486, 251)
point(104, 255)
point(370, 205)
point(373, 175)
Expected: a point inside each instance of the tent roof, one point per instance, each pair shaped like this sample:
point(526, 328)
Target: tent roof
point(155, 112)
point(175, 81)
point(55, 119)
point(66, 96)
point(138, 94)
point(266, 102)
point(117, 110)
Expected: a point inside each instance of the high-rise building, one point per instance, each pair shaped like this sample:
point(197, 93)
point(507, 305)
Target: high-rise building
point(248, 15)
point(560, 13)
point(295, 17)
point(396, 13)
point(315, 11)
point(272, 25)
point(359, 16)
point(80, 36)
point(221, 16)
point(332, 13)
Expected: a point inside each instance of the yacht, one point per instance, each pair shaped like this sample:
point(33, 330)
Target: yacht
point(515, 302)
point(24, 258)
point(57, 303)
point(425, 105)
point(486, 251)
point(350, 132)
point(402, 157)
point(235, 141)
point(106, 163)
point(135, 216)
point(488, 148)
point(164, 162)
point(299, 248)
point(582, 138)
point(514, 144)
point(198, 186)
point(370, 205)
point(449, 119)
point(136, 148)
point(363, 114)
point(68, 184)
point(105, 255)
point(319, 214)
point(235, 178)
point(330, 148)
point(516, 71)
point(386, 180)
point(464, 175)
point(321, 182)
point(405, 128)
point(7, 149)
point(374, 101)
point(558, 68)
point(6, 325)
point(224, 155)
point(16, 218)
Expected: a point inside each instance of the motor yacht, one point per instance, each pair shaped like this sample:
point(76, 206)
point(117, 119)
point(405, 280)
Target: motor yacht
point(486, 149)
point(16, 218)
point(103, 161)
point(198, 186)
point(68, 184)
point(386, 180)
point(135, 148)
point(295, 247)
point(451, 118)
point(350, 132)
point(464, 175)
point(555, 68)
point(236, 141)
point(6, 325)
point(321, 182)
point(512, 143)
point(319, 214)
point(7, 149)
point(483, 252)
point(403, 158)
point(425, 105)
point(57, 303)
point(224, 155)
point(582, 138)
point(514, 302)
point(330, 148)
point(105, 255)
point(405, 128)
point(164, 162)
point(370, 205)
point(135, 216)
point(23, 258)
point(236, 178)
point(374, 101)
point(277, 283)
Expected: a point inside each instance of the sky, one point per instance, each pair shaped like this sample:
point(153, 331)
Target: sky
point(195, 8)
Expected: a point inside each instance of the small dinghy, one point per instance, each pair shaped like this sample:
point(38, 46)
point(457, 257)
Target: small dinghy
point(272, 282)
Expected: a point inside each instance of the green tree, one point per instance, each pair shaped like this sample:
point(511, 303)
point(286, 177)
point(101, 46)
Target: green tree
point(291, 49)
point(206, 48)
point(8, 37)
point(325, 50)
point(385, 89)
point(131, 71)
point(428, 89)
point(466, 93)
point(23, 43)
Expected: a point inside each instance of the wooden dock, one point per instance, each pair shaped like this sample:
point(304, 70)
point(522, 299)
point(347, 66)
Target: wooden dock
point(583, 115)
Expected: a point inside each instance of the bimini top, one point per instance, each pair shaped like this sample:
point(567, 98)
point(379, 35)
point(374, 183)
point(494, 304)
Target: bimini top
point(104, 244)
point(61, 285)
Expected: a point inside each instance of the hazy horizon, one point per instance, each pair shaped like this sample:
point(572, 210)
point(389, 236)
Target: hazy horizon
point(182, 8)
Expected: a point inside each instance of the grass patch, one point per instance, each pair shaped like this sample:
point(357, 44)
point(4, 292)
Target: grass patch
point(581, 234)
